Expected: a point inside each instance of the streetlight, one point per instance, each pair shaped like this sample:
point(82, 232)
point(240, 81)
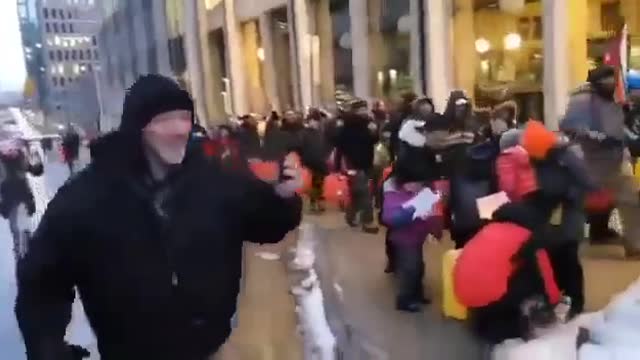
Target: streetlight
point(512, 41)
point(483, 45)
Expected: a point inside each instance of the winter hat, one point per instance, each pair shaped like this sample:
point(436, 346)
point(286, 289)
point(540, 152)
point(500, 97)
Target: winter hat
point(510, 138)
point(149, 96)
point(538, 140)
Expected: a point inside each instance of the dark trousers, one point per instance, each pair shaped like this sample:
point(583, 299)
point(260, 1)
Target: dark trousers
point(317, 188)
point(389, 250)
point(409, 265)
point(568, 273)
point(360, 199)
point(503, 319)
point(376, 177)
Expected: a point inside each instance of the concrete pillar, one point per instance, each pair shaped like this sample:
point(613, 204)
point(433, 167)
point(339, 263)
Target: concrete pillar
point(161, 37)
point(301, 48)
point(630, 9)
point(235, 59)
point(324, 31)
point(360, 51)
point(270, 73)
point(578, 28)
point(213, 107)
point(438, 66)
point(217, 68)
point(194, 64)
point(376, 51)
point(465, 56)
point(417, 18)
point(556, 86)
point(140, 35)
point(253, 76)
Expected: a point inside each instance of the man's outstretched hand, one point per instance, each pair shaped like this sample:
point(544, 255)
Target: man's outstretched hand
point(291, 175)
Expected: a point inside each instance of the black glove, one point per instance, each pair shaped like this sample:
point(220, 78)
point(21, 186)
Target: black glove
point(77, 352)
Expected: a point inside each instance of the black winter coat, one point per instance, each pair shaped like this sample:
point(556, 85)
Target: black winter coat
point(158, 279)
point(356, 145)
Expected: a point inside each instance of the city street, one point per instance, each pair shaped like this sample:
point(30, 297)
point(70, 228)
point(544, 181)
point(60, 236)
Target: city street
point(267, 325)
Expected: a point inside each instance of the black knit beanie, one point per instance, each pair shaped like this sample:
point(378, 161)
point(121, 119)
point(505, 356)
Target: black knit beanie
point(150, 96)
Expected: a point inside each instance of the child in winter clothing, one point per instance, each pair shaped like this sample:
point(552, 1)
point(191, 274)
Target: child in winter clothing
point(407, 236)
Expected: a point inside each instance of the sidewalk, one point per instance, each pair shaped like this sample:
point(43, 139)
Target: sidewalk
point(267, 323)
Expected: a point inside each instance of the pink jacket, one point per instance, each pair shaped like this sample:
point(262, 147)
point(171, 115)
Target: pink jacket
point(516, 174)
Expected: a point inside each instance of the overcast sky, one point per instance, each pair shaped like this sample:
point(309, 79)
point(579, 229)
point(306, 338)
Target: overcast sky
point(12, 72)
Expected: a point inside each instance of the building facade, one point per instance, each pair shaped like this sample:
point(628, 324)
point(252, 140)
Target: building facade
point(254, 55)
point(242, 56)
point(70, 54)
point(134, 40)
point(32, 43)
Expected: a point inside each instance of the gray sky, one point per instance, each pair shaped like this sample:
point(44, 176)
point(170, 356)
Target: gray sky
point(12, 72)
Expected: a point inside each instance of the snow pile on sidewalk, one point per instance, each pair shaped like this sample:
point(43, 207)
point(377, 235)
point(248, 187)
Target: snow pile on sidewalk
point(614, 334)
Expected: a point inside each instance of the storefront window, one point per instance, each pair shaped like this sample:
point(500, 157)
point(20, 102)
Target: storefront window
point(506, 49)
point(342, 53)
point(282, 57)
point(389, 48)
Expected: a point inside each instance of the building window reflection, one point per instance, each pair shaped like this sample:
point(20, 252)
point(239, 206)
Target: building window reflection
point(390, 47)
point(342, 49)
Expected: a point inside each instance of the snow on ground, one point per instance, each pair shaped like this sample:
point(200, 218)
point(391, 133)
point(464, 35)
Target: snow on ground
point(79, 331)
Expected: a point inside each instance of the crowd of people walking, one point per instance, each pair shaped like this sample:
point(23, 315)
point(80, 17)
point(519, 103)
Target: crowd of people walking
point(165, 177)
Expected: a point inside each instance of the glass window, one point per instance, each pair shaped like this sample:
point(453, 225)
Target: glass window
point(507, 50)
point(59, 53)
point(389, 48)
point(55, 28)
point(47, 26)
point(74, 54)
point(45, 13)
point(71, 28)
point(61, 14)
point(342, 50)
point(96, 55)
point(54, 13)
point(52, 55)
point(81, 54)
point(94, 41)
point(54, 80)
point(62, 81)
point(88, 54)
point(64, 27)
point(69, 15)
point(66, 55)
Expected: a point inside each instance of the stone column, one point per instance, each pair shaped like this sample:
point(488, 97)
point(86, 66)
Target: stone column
point(299, 20)
point(465, 56)
point(578, 28)
point(376, 50)
point(437, 53)
point(214, 108)
point(235, 59)
point(360, 48)
point(161, 37)
point(324, 31)
point(416, 15)
point(194, 65)
point(555, 17)
point(252, 67)
point(630, 9)
point(269, 64)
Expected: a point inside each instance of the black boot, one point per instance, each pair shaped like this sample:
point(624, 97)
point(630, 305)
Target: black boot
point(408, 306)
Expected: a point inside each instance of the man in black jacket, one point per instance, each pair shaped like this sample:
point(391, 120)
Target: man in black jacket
point(151, 235)
point(355, 143)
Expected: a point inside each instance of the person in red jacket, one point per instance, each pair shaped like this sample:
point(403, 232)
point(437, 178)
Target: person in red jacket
point(504, 275)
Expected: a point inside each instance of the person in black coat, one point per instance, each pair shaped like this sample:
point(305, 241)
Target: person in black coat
point(151, 237)
point(355, 145)
point(71, 147)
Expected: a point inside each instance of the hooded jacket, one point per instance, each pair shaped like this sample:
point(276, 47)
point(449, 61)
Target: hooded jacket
point(355, 143)
point(157, 266)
